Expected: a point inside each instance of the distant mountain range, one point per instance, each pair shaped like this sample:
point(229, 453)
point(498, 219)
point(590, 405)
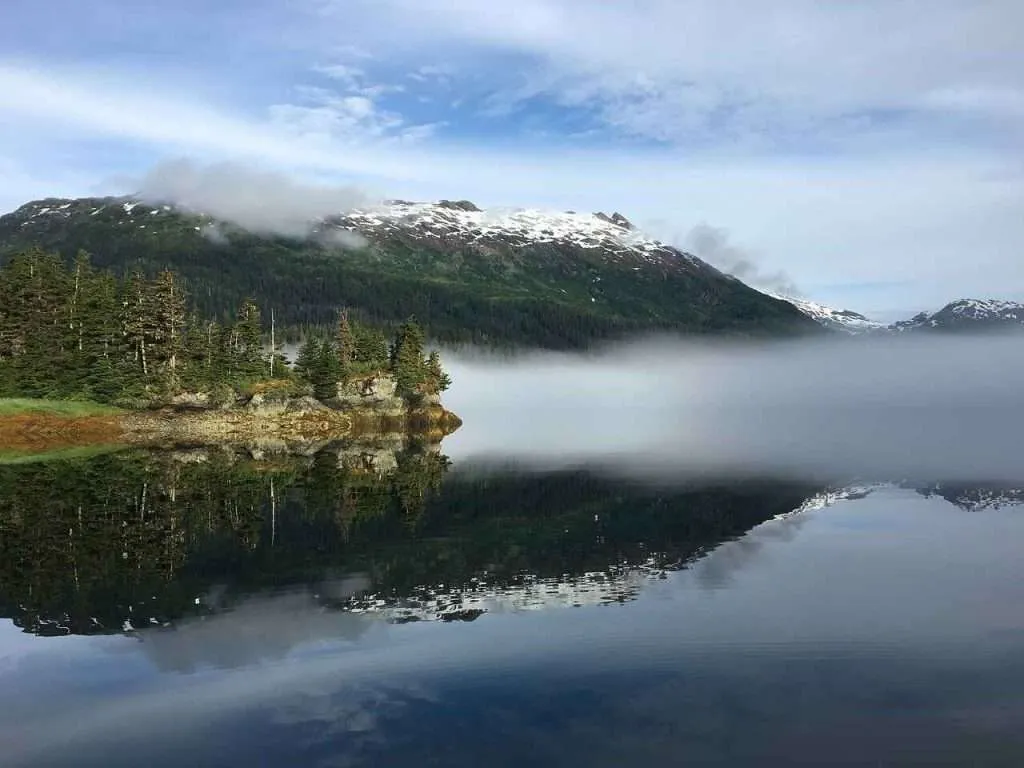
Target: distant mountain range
point(509, 277)
point(963, 315)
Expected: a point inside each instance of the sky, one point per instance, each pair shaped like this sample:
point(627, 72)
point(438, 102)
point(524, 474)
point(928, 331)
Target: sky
point(868, 154)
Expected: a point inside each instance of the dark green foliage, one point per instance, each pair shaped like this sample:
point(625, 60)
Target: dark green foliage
point(318, 364)
point(371, 348)
point(80, 333)
point(437, 379)
point(407, 361)
point(345, 342)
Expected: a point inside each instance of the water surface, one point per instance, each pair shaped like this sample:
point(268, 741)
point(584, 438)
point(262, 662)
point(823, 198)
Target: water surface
point(201, 608)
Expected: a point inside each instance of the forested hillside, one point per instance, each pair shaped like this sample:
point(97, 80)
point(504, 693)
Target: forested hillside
point(560, 281)
point(79, 332)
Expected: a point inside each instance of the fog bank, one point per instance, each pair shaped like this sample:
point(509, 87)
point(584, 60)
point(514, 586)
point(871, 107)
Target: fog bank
point(886, 408)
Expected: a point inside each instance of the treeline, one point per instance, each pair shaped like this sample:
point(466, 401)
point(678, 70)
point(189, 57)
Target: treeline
point(72, 331)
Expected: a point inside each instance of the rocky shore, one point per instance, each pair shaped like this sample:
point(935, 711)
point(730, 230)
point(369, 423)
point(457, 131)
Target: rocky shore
point(272, 420)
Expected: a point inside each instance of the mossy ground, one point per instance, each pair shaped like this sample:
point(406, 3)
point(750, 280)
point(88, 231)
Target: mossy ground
point(20, 406)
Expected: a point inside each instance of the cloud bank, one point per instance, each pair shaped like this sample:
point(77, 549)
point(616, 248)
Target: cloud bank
point(259, 201)
point(895, 408)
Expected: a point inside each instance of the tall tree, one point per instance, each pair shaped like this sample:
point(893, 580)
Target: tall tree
point(371, 348)
point(344, 342)
point(407, 361)
point(437, 379)
point(246, 344)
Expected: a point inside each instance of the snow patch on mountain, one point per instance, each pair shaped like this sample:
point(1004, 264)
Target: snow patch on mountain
point(464, 221)
point(965, 313)
point(837, 319)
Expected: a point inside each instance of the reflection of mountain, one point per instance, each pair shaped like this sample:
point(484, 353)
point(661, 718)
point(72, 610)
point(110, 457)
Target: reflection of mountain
point(135, 540)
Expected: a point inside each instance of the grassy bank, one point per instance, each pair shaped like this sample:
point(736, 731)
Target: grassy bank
point(72, 409)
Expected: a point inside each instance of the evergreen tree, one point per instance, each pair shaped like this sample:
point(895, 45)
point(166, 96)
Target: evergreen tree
point(371, 348)
point(168, 300)
point(326, 373)
point(139, 323)
point(246, 345)
point(317, 363)
point(306, 360)
point(437, 379)
point(78, 332)
point(407, 361)
point(344, 343)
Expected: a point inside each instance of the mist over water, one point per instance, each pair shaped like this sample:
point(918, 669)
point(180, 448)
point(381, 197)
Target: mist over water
point(882, 408)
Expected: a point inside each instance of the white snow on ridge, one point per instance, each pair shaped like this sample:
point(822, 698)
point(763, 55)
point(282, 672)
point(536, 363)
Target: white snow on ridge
point(838, 319)
point(981, 309)
point(527, 225)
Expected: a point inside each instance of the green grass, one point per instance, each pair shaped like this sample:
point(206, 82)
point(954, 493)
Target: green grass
point(19, 406)
point(11, 458)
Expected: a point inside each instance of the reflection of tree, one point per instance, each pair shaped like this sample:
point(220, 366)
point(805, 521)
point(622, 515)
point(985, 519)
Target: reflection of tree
point(88, 545)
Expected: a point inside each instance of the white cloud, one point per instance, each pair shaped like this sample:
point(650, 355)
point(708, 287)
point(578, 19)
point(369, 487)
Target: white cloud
point(674, 68)
point(258, 201)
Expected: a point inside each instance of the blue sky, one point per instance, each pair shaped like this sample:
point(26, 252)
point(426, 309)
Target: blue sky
point(870, 152)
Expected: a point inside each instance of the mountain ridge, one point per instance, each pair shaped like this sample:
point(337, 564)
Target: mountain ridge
point(503, 277)
point(960, 315)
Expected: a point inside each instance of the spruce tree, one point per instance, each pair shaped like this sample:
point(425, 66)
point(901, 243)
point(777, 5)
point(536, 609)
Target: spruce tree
point(168, 300)
point(437, 379)
point(407, 363)
point(246, 345)
point(344, 343)
point(371, 348)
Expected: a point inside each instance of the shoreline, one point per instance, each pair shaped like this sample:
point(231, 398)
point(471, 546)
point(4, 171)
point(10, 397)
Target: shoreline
point(37, 430)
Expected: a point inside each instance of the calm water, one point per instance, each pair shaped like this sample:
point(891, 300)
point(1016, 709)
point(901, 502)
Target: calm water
point(205, 609)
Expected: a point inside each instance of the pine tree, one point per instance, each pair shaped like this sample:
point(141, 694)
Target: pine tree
point(168, 343)
point(344, 343)
point(245, 344)
point(139, 322)
point(326, 372)
point(317, 363)
point(437, 379)
point(305, 361)
point(371, 348)
point(407, 361)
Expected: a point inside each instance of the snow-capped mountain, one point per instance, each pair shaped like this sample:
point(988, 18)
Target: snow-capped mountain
point(844, 320)
point(960, 315)
point(967, 315)
point(503, 277)
point(463, 222)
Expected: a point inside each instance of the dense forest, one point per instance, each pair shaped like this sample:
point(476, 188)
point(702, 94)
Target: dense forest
point(542, 294)
point(78, 332)
point(87, 545)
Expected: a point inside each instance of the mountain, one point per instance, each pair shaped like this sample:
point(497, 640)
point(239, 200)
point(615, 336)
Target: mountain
point(558, 280)
point(970, 315)
point(844, 320)
point(963, 315)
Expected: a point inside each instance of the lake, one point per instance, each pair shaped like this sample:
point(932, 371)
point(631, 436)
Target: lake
point(361, 606)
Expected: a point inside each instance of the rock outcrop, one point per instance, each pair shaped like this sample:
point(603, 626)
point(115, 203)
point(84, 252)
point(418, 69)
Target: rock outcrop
point(285, 419)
